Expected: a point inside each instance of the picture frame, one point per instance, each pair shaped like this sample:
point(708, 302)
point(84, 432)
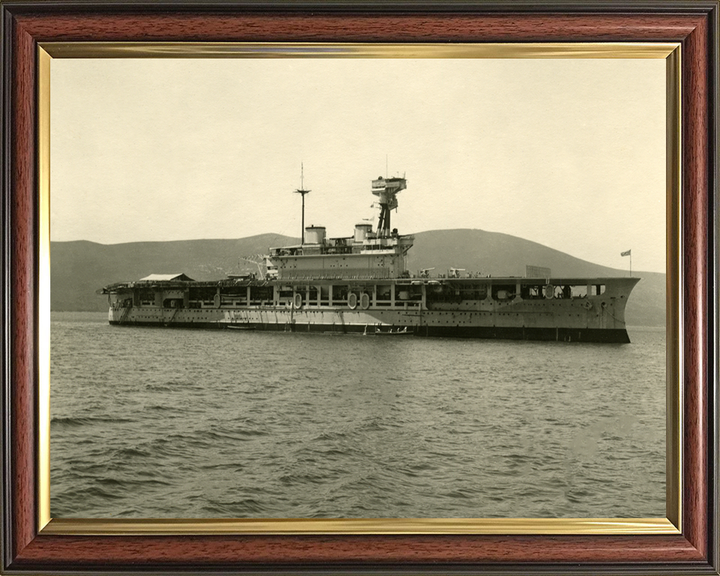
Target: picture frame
point(31, 544)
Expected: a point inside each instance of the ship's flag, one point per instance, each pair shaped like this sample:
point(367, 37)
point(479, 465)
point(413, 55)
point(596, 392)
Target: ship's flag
point(626, 253)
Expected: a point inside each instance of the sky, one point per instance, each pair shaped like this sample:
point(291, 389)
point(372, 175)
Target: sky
point(569, 153)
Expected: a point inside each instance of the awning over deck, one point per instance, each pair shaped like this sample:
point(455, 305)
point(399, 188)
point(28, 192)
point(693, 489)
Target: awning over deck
point(166, 278)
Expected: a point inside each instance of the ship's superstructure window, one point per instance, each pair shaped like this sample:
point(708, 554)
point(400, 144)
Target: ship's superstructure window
point(473, 291)
point(562, 292)
point(233, 295)
point(200, 296)
point(408, 292)
point(325, 295)
point(311, 295)
point(340, 293)
point(260, 295)
point(598, 289)
point(532, 291)
point(383, 295)
point(503, 292)
point(285, 295)
point(444, 294)
point(146, 297)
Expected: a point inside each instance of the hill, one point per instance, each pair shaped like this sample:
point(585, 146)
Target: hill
point(80, 268)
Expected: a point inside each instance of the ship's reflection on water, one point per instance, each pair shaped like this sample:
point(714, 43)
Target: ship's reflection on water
point(191, 423)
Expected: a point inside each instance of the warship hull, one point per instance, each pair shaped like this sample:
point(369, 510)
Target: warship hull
point(361, 284)
point(448, 308)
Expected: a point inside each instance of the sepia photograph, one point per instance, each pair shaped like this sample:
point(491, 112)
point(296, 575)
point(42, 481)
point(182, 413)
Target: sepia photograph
point(292, 287)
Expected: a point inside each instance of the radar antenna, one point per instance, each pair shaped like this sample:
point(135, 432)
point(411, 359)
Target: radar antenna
point(386, 189)
point(302, 193)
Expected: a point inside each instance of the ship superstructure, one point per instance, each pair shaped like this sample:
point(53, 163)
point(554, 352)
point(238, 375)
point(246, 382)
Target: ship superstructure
point(361, 283)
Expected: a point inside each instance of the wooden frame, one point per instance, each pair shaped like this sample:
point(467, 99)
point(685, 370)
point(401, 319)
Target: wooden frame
point(693, 24)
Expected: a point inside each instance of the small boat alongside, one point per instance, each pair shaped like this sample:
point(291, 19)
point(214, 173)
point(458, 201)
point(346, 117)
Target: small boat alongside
point(390, 332)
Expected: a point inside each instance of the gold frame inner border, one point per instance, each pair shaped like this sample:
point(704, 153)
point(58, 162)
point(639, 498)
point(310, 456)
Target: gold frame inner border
point(670, 52)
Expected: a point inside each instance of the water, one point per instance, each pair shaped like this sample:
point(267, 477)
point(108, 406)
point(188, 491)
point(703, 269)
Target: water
point(158, 423)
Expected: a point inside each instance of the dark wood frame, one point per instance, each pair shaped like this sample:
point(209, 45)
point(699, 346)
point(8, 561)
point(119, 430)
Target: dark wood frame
point(693, 23)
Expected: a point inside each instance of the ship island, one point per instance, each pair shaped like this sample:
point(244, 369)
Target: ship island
point(361, 284)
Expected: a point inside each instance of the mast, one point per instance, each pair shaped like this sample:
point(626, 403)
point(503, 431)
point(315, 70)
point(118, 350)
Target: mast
point(302, 193)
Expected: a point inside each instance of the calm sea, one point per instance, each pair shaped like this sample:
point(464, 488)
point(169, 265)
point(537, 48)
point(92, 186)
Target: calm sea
point(159, 423)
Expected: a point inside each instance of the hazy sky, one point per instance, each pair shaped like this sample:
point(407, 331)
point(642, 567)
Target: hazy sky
point(567, 153)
